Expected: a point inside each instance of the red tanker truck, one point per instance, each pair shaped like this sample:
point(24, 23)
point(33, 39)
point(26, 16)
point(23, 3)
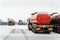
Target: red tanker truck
point(40, 22)
point(56, 22)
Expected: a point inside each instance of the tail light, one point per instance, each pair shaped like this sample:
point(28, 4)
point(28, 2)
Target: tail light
point(38, 28)
point(50, 28)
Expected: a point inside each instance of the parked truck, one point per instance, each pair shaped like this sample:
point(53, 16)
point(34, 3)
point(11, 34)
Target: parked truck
point(40, 22)
point(11, 21)
point(56, 22)
point(21, 22)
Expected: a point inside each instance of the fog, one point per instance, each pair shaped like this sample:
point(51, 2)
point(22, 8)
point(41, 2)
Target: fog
point(21, 9)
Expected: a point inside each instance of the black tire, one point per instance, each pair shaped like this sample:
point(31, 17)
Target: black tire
point(58, 30)
point(55, 28)
point(13, 23)
point(29, 27)
point(33, 30)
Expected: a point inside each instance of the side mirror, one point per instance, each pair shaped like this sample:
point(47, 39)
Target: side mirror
point(34, 13)
point(53, 13)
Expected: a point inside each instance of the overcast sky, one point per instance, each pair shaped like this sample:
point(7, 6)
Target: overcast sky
point(21, 9)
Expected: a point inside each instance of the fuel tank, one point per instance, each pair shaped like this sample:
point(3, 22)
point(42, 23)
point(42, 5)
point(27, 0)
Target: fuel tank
point(56, 19)
point(41, 18)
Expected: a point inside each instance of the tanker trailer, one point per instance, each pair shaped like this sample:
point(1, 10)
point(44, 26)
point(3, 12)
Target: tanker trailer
point(56, 22)
point(40, 22)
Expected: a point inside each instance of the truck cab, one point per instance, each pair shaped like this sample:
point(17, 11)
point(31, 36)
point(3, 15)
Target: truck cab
point(11, 21)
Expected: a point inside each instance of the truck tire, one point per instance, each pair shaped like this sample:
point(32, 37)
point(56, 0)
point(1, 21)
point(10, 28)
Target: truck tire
point(55, 29)
point(29, 27)
point(58, 30)
point(33, 30)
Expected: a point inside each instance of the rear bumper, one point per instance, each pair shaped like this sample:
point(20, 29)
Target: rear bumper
point(45, 29)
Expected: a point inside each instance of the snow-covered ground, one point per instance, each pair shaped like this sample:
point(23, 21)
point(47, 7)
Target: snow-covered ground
point(21, 32)
point(5, 31)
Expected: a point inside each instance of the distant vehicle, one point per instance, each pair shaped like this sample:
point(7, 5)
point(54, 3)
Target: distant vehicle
point(0, 22)
point(22, 23)
point(40, 22)
point(11, 21)
point(4, 23)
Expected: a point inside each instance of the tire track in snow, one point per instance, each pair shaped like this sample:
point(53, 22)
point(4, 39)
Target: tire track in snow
point(24, 34)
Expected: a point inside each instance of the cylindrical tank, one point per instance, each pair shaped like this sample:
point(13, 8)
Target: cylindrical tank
point(41, 18)
point(56, 19)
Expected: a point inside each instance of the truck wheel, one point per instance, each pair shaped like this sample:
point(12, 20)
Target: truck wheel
point(55, 29)
point(58, 30)
point(29, 27)
point(33, 30)
point(13, 24)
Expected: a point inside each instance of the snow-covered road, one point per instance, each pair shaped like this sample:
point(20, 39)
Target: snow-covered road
point(5, 31)
point(20, 32)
